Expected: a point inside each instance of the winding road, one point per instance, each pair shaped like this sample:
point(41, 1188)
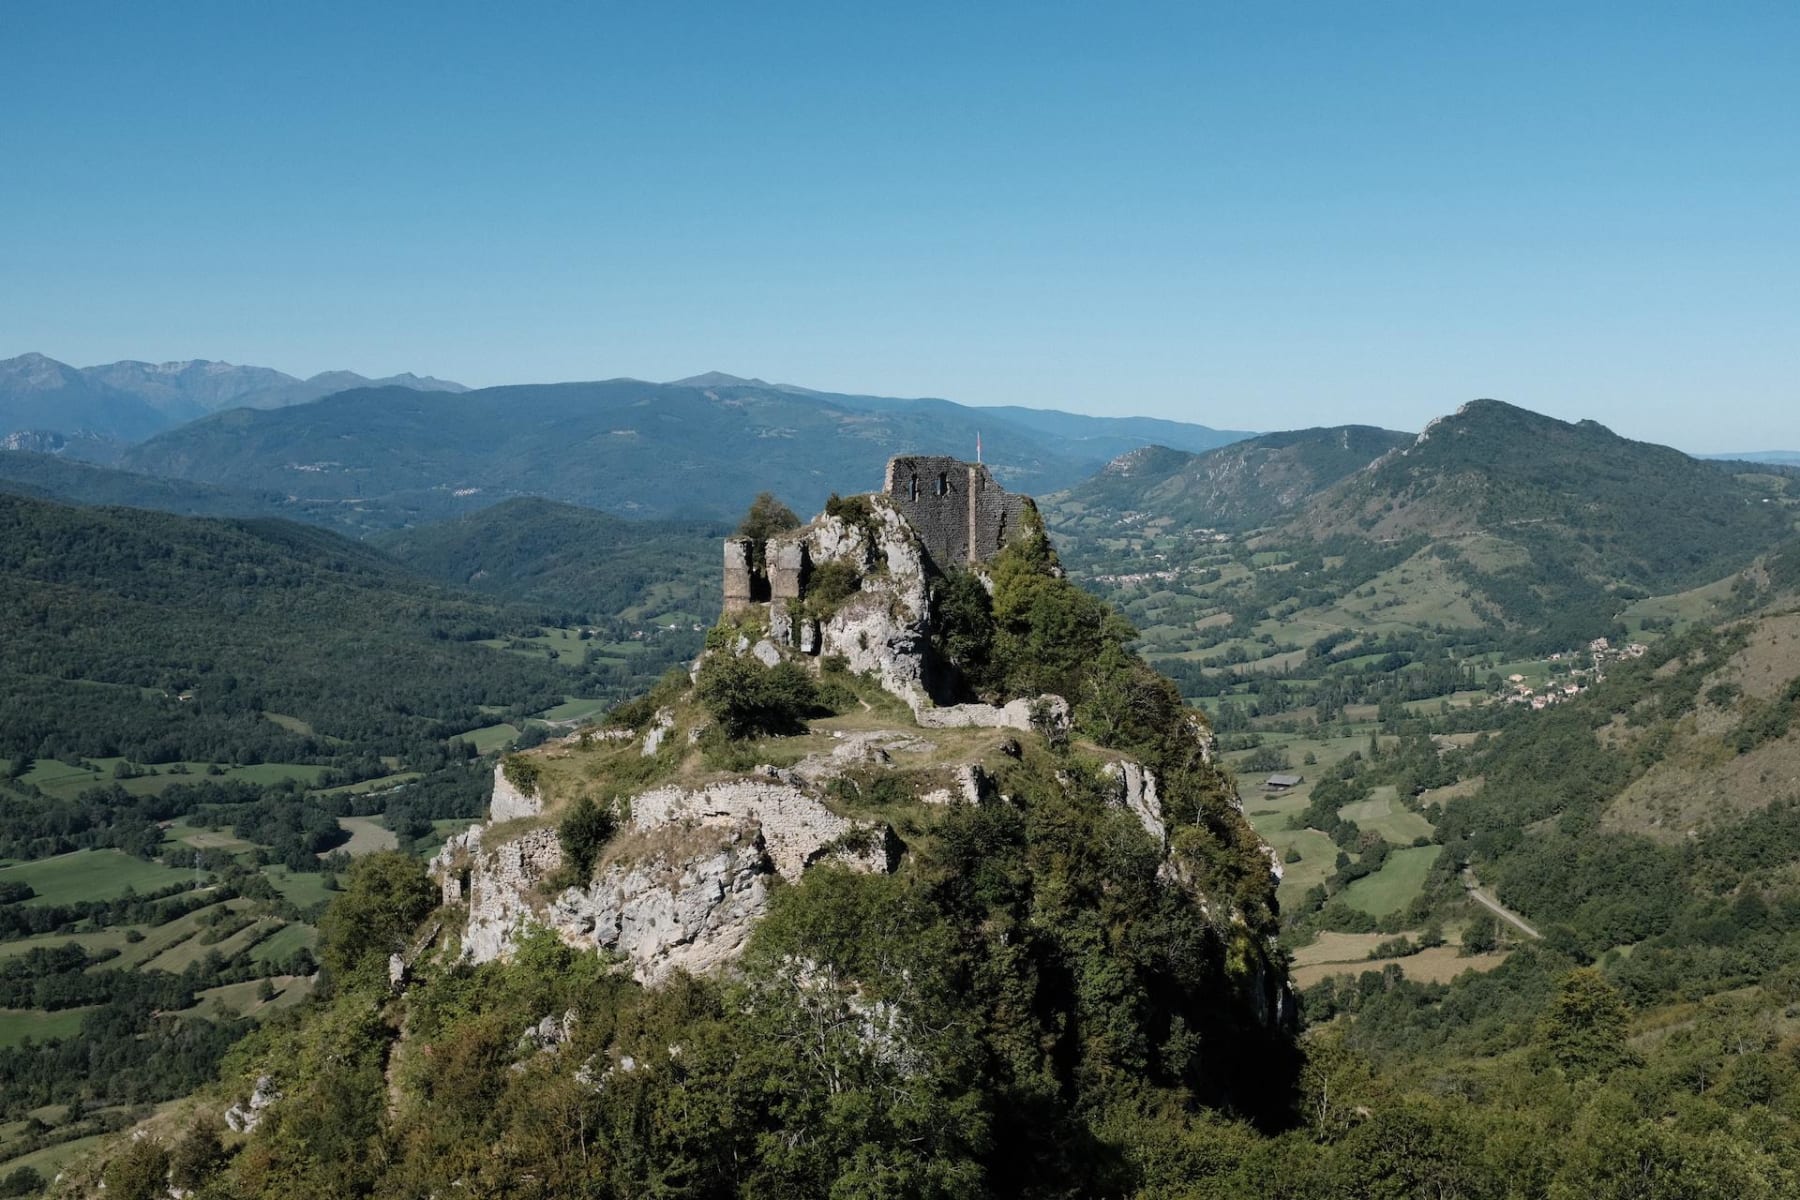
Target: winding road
point(1494, 906)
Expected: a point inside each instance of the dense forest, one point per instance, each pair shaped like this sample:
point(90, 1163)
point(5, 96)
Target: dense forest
point(159, 638)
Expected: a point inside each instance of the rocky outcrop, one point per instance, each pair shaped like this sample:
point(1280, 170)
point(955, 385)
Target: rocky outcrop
point(883, 628)
point(686, 900)
point(1051, 713)
point(242, 1118)
point(1137, 792)
point(969, 785)
point(875, 747)
point(681, 889)
point(796, 829)
point(509, 803)
point(502, 881)
point(661, 725)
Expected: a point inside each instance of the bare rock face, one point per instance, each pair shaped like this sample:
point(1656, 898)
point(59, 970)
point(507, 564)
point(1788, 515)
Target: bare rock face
point(687, 901)
point(1024, 715)
point(883, 629)
point(868, 748)
point(509, 803)
point(501, 883)
point(971, 785)
point(1137, 792)
point(796, 829)
point(661, 726)
point(446, 866)
point(682, 888)
point(242, 1118)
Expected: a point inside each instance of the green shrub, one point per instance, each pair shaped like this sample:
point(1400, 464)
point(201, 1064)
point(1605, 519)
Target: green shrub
point(522, 772)
point(829, 585)
point(585, 828)
point(746, 699)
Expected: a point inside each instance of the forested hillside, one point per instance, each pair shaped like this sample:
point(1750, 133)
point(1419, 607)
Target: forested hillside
point(573, 558)
point(162, 638)
point(1241, 486)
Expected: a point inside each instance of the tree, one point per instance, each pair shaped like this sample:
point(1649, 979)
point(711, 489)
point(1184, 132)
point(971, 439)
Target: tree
point(584, 829)
point(746, 698)
point(385, 895)
point(196, 1157)
point(1586, 1025)
point(140, 1172)
point(767, 517)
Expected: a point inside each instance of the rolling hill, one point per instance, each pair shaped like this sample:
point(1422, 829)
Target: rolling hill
point(1242, 485)
point(54, 477)
point(162, 637)
point(625, 446)
point(1546, 517)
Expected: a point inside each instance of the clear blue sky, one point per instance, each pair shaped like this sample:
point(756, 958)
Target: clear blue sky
point(1257, 215)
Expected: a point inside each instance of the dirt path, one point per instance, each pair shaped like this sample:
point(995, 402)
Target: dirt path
point(1494, 906)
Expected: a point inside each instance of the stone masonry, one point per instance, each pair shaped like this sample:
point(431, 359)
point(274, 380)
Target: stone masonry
point(961, 514)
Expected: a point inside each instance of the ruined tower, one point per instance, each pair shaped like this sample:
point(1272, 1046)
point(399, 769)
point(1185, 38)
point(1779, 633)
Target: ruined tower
point(961, 515)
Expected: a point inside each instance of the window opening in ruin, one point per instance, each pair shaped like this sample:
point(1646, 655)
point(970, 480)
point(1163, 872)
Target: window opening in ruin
point(915, 487)
point(943, 486)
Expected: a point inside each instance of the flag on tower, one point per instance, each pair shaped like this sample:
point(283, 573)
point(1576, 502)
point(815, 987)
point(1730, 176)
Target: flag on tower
point(978, 445)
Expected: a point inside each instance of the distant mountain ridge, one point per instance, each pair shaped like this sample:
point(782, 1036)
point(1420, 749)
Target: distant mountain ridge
point(130, 400)
point(1243, 485)
point(623, 445)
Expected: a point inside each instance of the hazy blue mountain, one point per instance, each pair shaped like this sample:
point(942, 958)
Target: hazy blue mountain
point(1103, 437)
point(623, 445)
point(131, 400)
point(1786, 458)
point(39, 394)
point(55, 477)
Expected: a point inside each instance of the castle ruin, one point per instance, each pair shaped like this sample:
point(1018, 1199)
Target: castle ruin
point(961, 515)
point(959, 512)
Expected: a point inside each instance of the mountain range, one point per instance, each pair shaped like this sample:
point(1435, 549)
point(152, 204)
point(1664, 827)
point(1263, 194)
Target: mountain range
point(625, 446)
point(128, 400)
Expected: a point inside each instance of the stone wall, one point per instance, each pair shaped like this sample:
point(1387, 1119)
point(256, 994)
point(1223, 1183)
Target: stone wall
point(740, 583)
point(787, 569)
point(509, 803)
point(961, 514)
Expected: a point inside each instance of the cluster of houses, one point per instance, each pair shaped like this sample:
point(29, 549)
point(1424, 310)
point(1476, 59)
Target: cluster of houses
point(1600, 651)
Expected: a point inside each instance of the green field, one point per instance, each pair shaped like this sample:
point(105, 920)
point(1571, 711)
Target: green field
point(180, 833)
point(91, 875)
point(1393, 887)
point(241, 999)
point(18, 1024)
point(105, 939)
point(52, 1159)
point(179, 957)
point(65, 782)
point(1383, 813)
point(158, 940)
point(367, 835)
point(489, 738)
point(575, 710)
point(284, 942)
point(303, 889)
point(370, 785)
